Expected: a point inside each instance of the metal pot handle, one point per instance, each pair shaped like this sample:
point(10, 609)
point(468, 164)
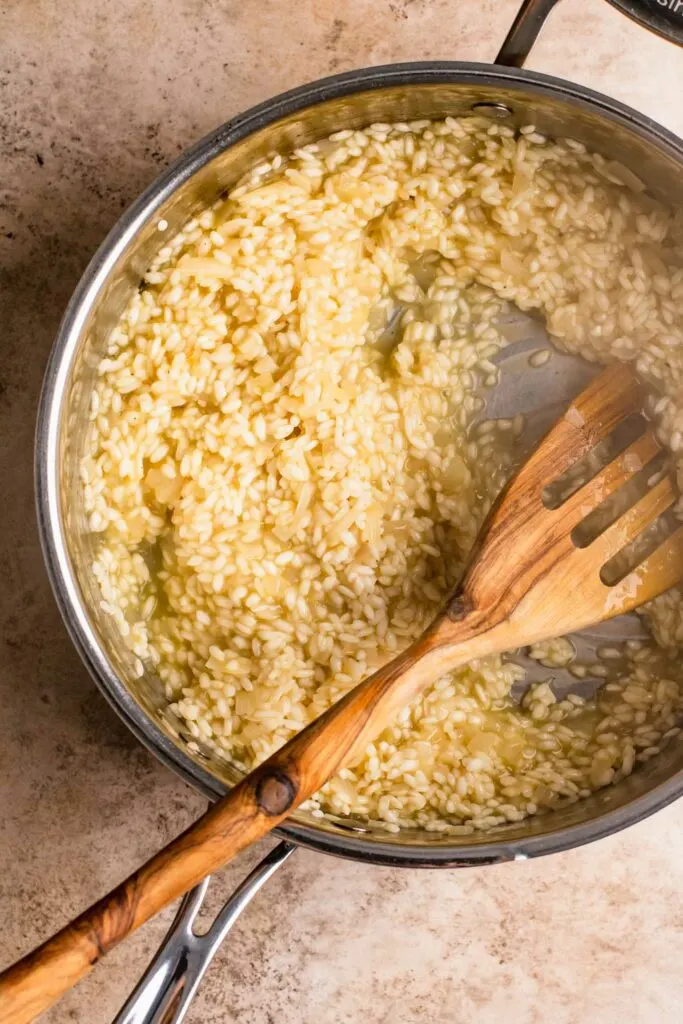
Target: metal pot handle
point(523, 33)
point(164, 993)
point(665, 17)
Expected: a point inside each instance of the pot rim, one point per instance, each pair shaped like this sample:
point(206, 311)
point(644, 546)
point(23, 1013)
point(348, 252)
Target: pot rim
point(71, 603)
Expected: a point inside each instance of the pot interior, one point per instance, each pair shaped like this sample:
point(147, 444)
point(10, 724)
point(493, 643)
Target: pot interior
point(354, 100)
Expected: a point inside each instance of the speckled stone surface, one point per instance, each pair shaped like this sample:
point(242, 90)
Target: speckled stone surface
point(94, 100)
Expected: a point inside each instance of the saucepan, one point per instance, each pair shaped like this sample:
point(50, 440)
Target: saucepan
point(398, 92)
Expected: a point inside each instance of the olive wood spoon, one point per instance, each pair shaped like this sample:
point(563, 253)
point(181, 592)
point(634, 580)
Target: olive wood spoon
point(527, 580)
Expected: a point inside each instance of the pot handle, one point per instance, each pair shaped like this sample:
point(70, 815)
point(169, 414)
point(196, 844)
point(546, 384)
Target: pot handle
point(164, 993)
point(665, 17)
point(530, 20)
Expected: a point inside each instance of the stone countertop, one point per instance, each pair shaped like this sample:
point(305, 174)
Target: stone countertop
point(94, 100)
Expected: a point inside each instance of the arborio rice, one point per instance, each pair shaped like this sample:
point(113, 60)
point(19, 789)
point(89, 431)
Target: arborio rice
point(281, 469)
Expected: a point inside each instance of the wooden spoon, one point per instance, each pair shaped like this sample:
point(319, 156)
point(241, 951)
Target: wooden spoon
point(527, 580)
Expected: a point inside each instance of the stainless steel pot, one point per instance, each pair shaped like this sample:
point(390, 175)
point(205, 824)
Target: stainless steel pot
point(396, 92)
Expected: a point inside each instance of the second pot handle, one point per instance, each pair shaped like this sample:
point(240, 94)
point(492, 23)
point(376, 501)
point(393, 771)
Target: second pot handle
point(167, 987)
point(665, 17)
point(524, 31)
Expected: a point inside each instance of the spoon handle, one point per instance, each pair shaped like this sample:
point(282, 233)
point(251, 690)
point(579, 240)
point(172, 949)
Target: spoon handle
point(249, 811)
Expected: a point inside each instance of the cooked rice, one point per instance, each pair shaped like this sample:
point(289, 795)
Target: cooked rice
point(283, 476)
point(556, 653)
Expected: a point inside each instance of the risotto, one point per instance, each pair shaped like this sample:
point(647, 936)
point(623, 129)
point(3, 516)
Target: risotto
point(287, 464)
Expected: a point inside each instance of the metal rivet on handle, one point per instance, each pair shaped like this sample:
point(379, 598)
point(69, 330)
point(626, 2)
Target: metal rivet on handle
point(497, 110)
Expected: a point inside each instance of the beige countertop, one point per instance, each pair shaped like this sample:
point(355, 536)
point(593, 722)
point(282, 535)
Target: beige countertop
point(95, 99)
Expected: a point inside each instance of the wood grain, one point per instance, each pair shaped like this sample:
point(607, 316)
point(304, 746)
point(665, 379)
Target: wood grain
point(248, 812)
point(513, 593)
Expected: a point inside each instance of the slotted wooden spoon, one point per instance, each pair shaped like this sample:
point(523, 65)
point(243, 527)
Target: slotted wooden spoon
point(527, 581)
